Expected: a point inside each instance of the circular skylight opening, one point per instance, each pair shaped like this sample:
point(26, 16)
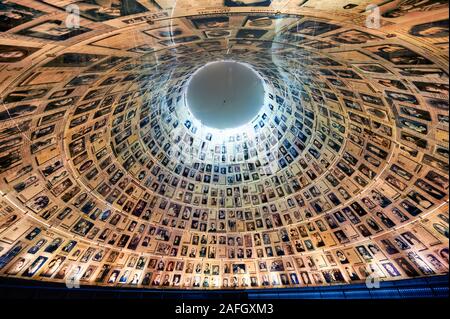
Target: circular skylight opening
point(225, 94)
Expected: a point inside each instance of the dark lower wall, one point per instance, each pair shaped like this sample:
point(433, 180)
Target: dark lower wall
point(423, 288)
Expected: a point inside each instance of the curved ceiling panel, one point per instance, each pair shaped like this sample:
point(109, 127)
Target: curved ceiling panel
point(107, 178)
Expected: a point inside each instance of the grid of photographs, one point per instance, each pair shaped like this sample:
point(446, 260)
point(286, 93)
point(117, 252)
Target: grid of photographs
point(108, 179)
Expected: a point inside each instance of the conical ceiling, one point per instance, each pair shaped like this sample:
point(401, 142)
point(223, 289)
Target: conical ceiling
point(108, 178)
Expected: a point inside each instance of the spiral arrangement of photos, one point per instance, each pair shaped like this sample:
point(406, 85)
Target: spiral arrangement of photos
point(106, 178)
